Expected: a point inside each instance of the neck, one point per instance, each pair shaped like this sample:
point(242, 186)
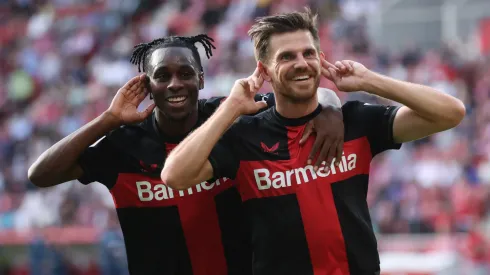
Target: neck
point(172, 127)
point(295, 109)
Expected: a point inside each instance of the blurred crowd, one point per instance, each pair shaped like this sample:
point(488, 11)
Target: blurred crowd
point(62, 62)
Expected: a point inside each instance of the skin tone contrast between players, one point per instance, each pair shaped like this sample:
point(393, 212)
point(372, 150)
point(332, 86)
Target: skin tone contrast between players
point(196, 231)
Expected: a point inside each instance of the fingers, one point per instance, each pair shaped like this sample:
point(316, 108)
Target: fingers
point(261, 105)
point(252, 85)
point(139, 95)
point(330, 71)
point(327, 74)
point(348, 65)
point(308, 131)
point(256, 73)
point(316, 146)
point(341, 67)
point(334, 75)
point(145, 81)
point(255, 84)
point(340, 149)
point(144, 114)
point(133, 82)
point(326, 64)
point(131, 89)
point(326, 153)
point(142, 92)
point(345, 66)
point(255, 81)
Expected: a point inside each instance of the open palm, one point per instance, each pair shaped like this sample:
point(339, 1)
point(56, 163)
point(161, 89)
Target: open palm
point(125, 104)
point(347, 75)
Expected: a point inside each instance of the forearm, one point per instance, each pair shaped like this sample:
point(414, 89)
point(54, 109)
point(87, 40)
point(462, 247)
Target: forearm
point(184, 166)
point(427, 102)
point(59, 163)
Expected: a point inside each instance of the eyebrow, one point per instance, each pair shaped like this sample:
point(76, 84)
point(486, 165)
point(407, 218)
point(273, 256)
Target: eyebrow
point(281, 54)
point(292, 52)
point(162, 68)
point(310, 49)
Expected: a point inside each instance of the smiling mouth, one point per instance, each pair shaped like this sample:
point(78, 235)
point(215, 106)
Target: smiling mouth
point(301, 78)
point(176, 100)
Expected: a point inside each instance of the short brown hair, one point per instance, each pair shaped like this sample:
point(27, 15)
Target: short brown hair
point(265, 27)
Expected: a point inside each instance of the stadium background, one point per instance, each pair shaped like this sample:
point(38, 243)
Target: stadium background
point(62, 61)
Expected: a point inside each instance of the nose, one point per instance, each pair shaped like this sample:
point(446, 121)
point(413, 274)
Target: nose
point(300, 63)
point(175, 84)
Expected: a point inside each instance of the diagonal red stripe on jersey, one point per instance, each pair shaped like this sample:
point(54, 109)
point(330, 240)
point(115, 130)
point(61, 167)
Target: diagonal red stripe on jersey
point(203, 236)
point(202, 232)
point(322, 229)
point(320, 218)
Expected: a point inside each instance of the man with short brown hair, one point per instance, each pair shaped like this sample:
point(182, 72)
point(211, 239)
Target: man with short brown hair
point(267, 26)
point(306, 219)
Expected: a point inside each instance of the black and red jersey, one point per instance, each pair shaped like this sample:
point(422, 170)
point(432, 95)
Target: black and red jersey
point(302, 221)
point(198, 231)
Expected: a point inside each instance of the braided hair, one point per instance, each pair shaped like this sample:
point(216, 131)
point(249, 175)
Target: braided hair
point(143, 51)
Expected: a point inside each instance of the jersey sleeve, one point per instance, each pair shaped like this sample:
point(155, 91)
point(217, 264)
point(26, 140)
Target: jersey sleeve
point(224, 157)
point(211, 104)
point(99, 162)
point(377, 122)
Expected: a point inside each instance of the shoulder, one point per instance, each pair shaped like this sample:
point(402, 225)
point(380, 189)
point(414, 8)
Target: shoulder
point(357, 111)
point(256, 120)
point(250, 125)
point(351, 107)
point(126, 134)
point(366, 111)
point(134, 139)
point(207, 106)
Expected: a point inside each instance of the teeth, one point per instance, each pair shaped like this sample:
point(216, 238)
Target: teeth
point(176, 99)
point(301, 77)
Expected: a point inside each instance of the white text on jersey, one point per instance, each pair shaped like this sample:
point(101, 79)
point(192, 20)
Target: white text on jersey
point(147, 192)
point(281, 179)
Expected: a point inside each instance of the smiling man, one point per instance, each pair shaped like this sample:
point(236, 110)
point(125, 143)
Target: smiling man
point(305, 220)
point(198, 231)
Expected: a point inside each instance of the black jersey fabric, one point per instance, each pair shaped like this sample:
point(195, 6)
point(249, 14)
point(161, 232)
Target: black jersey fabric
point(302, 221)
point(199, 231)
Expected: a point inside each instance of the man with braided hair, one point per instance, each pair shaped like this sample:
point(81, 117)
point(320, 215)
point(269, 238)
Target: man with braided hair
point(193, 231)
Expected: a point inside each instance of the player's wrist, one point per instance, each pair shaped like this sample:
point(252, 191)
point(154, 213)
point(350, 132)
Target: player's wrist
point(369, 82)
point(111, 119)
point(234, 107)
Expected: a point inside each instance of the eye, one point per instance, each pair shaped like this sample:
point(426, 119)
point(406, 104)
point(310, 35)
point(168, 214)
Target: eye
point(287, 57)
point(309, 53)
point(162, 76)
point(187, 74)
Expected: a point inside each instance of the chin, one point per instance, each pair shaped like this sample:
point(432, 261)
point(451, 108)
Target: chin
point(178, 116)
point(301, 95)
point(173, 113)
